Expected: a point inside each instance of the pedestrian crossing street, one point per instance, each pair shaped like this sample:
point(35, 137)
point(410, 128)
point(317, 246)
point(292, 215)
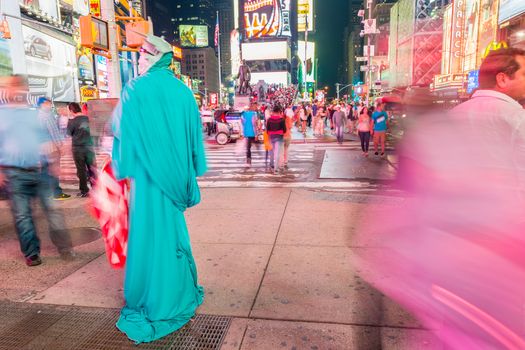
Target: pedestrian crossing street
point(227, 167)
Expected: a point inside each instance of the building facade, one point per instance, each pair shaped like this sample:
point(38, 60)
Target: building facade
point(168, 16)
point(202, 64)
point(226, 26)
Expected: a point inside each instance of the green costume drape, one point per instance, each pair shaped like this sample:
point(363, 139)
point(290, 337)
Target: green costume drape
point(158, 144)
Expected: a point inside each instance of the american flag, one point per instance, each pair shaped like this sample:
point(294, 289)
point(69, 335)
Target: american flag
point(217, 31)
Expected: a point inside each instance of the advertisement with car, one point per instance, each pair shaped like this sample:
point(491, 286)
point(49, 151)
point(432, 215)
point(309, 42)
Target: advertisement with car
point(51, 66)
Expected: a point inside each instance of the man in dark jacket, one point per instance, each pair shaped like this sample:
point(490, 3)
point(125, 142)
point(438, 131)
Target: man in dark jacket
point(82, 147)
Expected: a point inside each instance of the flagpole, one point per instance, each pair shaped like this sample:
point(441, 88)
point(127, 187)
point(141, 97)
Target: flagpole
point(219, 51)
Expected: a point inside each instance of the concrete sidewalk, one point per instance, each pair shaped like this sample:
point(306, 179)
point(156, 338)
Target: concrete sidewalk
point(279, 263)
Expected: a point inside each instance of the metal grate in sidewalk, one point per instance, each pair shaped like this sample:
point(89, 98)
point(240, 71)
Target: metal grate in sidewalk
point(47, 327)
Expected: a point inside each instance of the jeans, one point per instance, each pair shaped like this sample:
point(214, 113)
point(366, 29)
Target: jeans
point(287, 142)
point(22, 186)
point(364, 136)
point(85, 163)
point(339, 130)
point(277, 147)
point(249, 142)
point(56, 190)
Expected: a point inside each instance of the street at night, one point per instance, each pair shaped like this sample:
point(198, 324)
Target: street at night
point(262, 174)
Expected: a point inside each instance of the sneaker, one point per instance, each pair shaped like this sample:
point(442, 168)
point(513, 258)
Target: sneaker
point(276, 172)
point(61, 197)
point(376, 153)
point(33, 260)
point(83, 195)
point(366, 154)
point(68, 255)
point(382, 154)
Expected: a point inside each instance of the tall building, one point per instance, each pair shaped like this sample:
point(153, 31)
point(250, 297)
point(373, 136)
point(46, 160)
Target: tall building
point(415, 42)
point(202, 64)
point(353, 43)
point(226, 25)
point(167, 16)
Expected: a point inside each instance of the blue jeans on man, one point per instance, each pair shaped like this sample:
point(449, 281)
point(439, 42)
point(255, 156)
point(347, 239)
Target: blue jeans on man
point(22, 186)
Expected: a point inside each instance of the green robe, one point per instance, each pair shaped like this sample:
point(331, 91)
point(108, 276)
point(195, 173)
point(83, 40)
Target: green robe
point(158, 144)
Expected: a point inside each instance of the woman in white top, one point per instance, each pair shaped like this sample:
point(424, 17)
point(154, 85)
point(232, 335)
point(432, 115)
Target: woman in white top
point(364, 126)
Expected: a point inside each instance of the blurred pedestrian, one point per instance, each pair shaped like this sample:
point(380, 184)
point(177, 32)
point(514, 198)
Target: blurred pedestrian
point(303, 118)
point(50, 124)
point(288, 115)
point(276, 128)
point(23, 143)
point(364, 127)
point(158, 144)
point(380, 126)
point(82, 147)
point(453, 253)
point(249, 121)
point(339, 119)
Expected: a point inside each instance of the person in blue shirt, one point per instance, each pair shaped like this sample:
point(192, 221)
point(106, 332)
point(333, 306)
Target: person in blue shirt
point(380, 121)
point(249, 120)
point(23, 171)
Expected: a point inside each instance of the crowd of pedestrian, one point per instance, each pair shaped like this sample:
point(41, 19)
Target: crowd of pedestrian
point(274, 123)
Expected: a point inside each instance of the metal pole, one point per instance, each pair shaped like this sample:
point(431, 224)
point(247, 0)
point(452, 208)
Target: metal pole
point(134, 59)
point(305, 55)
point(115, 82)
point(368, 72)
point(337, 88)
point(219, 54)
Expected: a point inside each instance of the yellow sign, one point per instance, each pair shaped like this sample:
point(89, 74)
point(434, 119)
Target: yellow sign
point(495, 46)
point(94, 7)
point(88, 92)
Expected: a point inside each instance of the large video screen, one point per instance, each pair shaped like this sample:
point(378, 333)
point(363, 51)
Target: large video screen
point(267, 18)
point(274, 50)
point(48, 6)
point(509, 9)
point(6, 64)
point(193, 35)
point(51, 66)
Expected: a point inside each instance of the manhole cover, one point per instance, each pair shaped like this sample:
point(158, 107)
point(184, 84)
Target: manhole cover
point(46, 327)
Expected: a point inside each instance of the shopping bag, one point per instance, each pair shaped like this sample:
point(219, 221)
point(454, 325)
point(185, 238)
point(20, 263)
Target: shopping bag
point(267, 143)
point(110, 206)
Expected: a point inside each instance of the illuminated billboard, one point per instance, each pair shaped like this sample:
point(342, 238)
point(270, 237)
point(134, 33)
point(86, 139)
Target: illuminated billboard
point(472, 30)
point(458, 36)
point(279, 78)
point(6, 64)
point(305, 9)
point(51, 66)
point(488, 27)
point(193, 35)
point(275, 50)
point(447, 40)
point(267, 18)
point(49, 7)
point(310, 57)
point(509, 9)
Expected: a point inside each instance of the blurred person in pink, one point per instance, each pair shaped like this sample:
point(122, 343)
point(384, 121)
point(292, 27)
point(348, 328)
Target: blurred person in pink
point(288, 120)
point(453, 254)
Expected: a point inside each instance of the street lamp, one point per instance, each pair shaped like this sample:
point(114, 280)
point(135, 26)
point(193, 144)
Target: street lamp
point(341, 89)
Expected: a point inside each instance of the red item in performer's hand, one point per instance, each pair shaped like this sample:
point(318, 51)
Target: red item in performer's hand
point(109, 199)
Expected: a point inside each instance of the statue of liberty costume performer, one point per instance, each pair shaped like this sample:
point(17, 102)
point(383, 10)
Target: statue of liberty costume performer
point(158, 144)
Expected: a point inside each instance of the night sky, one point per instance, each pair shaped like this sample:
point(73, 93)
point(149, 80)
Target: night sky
point(332, 18)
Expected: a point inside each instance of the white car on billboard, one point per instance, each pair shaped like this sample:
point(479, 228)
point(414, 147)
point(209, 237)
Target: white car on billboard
point(37, 47)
